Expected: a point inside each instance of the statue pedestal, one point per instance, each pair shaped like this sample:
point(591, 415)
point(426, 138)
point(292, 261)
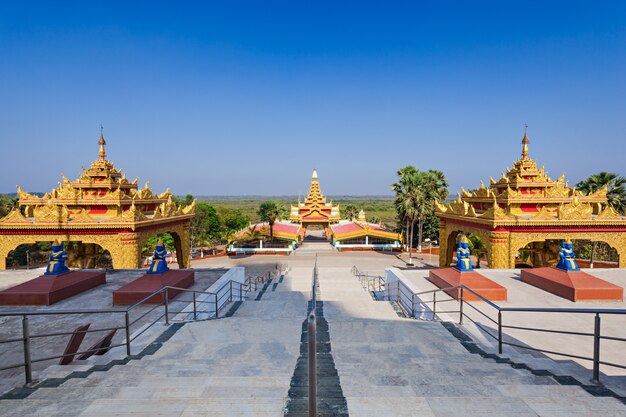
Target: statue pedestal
point(149, 283)
point(49, 289)
point(572, 285)
point(450, 277)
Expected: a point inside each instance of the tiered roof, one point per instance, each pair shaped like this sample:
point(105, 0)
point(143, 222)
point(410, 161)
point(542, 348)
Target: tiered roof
point(526, 195)
point(315, 209)
point(101, 196)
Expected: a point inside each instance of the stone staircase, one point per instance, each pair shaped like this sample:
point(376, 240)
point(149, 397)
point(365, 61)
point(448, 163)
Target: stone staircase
point(236, 366)
point(394, 366)
point(371, 361)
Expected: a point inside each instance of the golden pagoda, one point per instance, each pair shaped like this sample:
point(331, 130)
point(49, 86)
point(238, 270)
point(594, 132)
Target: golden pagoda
point(526, 210)
point(315, 210)
point(101, 208)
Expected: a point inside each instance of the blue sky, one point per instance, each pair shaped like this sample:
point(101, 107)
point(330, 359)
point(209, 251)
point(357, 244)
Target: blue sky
point(232, 98)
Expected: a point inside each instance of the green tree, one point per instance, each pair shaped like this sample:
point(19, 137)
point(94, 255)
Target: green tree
point(615, 185)
point(252, 234)
point(476, 246)
point(416, 193)
point(231, 220)
point(270, 212)
point(374, 219)
point(350, 212)
point(167, 239)
point(431, 228)
point(205, 224)
point(6, 204)
point(434, 185)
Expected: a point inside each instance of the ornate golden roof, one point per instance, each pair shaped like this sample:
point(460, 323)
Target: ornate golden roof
point(101, 196)
point(315, 207)
point(525, 194)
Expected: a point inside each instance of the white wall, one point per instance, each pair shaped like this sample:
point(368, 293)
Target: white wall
point(402, 293)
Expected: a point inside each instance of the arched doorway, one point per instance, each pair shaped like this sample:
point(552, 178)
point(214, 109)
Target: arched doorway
point(80, 255)
point(543, 253)
point(173, 245)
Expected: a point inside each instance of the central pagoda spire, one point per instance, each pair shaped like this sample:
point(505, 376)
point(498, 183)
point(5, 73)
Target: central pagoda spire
point(525, 142)
point(102, 142)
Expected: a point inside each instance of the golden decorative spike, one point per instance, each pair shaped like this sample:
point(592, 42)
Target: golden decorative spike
point(102, 142)
point(525, 142)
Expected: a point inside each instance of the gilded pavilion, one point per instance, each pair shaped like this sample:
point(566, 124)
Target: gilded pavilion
point(100, 209)
point(315, 210)
point(527, 211)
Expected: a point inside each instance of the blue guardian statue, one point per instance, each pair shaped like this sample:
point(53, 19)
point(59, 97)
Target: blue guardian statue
point(56, 265)
point(567, 257)
point(159, 264)
point(463, 261)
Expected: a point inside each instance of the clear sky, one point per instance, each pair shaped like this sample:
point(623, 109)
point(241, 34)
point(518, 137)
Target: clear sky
point(232, 98)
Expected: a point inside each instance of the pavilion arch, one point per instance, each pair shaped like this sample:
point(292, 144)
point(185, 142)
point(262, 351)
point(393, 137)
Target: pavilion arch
point(125, 248)
point(448, 233)
point(181, 235)
point(615, 240)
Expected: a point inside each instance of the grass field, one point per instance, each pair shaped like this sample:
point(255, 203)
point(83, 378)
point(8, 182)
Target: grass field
point(381, 207)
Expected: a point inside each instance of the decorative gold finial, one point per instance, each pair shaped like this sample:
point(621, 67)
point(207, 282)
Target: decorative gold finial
point(314, 173)
point(525, 142)
point(102, 142)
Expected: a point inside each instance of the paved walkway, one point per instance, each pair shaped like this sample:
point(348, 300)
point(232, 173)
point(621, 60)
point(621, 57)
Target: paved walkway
point(244, 365)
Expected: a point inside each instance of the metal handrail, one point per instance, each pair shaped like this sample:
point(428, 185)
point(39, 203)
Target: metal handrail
point(597, 336)
point(312, 342)
point(27, 336)
point(368, 282)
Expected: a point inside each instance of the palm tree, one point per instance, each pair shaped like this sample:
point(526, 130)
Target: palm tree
point(408, 201)
point(350, 212)
point(271, 211)
point(405, 180)
point(252, 234)
point(477, 247)
point(435, 188)
point(616, 188)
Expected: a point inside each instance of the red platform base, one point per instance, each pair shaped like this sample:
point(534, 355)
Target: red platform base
point(450, 277)
point(147, 284)
point(48, 289)
point(572, 285)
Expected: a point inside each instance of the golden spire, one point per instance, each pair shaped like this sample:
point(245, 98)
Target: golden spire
point(102, 142)
point(314, 174)
point(525, 142)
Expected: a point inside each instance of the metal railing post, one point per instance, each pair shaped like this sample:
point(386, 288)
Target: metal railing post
point(195, 314)
point(434, 306)
point(412, 305)
point(127, 329)
point(312, 329)
point(596, 350)
point(461, 307)
point(28, 366)
point(167, 319)
point(500, 332)
point(216, 308)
